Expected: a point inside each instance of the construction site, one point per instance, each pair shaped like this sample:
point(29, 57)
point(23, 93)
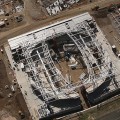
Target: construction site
point(11, 15)
point(53, 63)
point(63, 67)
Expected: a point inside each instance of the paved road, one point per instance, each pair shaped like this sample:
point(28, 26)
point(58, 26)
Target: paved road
point(115, 115)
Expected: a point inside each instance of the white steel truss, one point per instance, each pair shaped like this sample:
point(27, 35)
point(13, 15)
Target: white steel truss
point(87, 53)
point(39, 84)
point(55, 86)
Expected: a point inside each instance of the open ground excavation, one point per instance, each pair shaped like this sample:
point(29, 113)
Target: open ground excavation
point(6, 116)
point(5, 102)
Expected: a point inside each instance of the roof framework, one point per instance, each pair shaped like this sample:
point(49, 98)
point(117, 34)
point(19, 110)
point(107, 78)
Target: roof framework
point(48, 79)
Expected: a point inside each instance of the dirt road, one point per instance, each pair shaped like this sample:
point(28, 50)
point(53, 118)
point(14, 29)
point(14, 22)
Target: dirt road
point(115, 115)
point(51, 19)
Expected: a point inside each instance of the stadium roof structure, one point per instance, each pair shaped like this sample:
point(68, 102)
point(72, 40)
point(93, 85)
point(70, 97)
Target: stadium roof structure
point(39, 72)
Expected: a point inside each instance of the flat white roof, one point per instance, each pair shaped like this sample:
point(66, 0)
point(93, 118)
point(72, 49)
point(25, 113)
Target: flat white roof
point(47, 31)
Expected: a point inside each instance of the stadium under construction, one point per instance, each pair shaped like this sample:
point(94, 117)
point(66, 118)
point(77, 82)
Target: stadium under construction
point(60, 65)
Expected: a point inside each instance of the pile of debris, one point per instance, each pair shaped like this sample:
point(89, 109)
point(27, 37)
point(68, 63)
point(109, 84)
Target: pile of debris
point(60, 5)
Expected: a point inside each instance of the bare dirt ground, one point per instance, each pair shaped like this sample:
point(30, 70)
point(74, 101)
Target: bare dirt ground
point(65, 69)
point(9, 107)
point(6, 104)
point(34, 11)
point(108, 30)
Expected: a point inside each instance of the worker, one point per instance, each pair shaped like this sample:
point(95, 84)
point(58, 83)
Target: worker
point(25, 92)
point(114, 49)
point(67, 55)
point(1, 50)
point(119, 55)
